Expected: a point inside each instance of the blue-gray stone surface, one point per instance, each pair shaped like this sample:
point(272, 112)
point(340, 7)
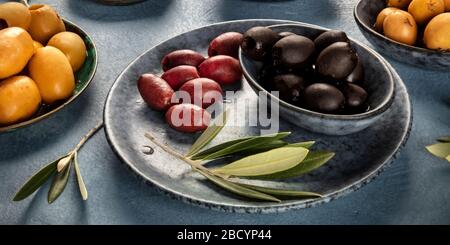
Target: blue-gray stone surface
point(414, 190)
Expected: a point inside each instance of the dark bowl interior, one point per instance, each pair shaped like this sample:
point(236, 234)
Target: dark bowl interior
point(378, 79)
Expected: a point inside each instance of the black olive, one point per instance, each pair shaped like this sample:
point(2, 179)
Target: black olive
point(285, 34)
point(323, 97)
point(357, 74)
point(329, 37)
point(258, 41)
point(355, 96)
point(336, 61)
point(293, 52)
point(290, 86)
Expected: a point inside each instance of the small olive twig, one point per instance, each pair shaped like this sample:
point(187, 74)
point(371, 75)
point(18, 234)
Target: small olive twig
point(196, 165)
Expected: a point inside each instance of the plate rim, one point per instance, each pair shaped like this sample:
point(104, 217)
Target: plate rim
point(245, 208)
point(34, 120)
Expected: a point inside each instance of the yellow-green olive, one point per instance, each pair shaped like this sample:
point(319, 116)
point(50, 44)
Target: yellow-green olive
point(72, 46)
point(424, 10)
point(15, 14)
point(401, 27)
point(16, 48)
point(51, 71)
point(437, 33)
point(45, 23)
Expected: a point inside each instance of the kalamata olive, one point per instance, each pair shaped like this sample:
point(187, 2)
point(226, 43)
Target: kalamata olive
point(226, 44)
point(258, 41)
point(323, 97)
point(202, 91)
point(222, 69)
point(355, 96)
point(178, 75)
point(156, 92)
point(285, 34)
point(336, 61)
point(181, 57)
point(329, 37)
point(293, 52)
point(357, 74)
point(188, 118)
point(290, 86)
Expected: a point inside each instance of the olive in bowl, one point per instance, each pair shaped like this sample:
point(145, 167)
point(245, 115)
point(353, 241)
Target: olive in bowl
point(410, 48)
point(328, 116)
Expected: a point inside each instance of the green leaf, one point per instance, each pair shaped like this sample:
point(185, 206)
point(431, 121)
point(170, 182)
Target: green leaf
point(444, 139)
point(36, 181)
point(246, 144)
point(202, 154)
point(312, 161)
point(266, 147)
point(441, 150)
point(59, 183)
point(305, 144)
point(269, 162)
point(81, 185)
point(282, 192)
point(238, 189)
point(209, 134)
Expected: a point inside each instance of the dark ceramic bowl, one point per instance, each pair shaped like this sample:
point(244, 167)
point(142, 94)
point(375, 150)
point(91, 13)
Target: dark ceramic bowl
point(366, 12)
point(83, 78)
point(378, 79)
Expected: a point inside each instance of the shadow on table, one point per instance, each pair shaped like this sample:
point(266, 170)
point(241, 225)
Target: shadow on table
point(92, 9)
point(298, 10)
point(44, 134)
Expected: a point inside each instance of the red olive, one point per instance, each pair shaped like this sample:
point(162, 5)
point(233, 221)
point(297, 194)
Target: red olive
point(188, 118)
point(181, 57)
point(225, 44)
point(202, 91)
point(222, 69)
point(155, 91)
point(178, 75)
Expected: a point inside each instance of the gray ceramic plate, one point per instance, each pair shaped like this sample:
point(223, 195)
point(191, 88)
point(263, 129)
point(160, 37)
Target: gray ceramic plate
point(360, 157)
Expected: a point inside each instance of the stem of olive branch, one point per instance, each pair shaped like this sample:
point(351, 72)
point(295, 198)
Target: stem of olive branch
point(88, 136)
point(194, 164)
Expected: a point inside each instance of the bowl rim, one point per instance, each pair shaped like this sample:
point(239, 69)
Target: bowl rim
point(68, 101)
point(399, 44)
point(382, 107)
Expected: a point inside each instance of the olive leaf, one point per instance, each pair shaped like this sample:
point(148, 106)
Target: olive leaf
point(216, 148)
point(444, 139)
point(209, 134)
point(36, 181)
point(63, 162)
point(441, 150)
point(238, 189)
point(270, 162)
point(59, 183)
point(305, 144)
point(312, 161)
point(245, 145)
point(277, 144)
point(283, 192)
point(81, 185)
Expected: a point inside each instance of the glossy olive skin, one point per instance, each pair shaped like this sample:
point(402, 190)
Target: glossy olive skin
point(181, 57)
point(258, 41)
point(15, 14)
point(323, 97)
point(290, 86)
point(188, 118)
point(51, 71)
point(226, 44)
point(45, 23)
point(355, 96)
point(285, 34)
point(221, 68)
point(293, 52)
point(72, 45)
point(336, 61)
point(16, 49)
point(329, 37)
point(19, 99)
point(155, 91)
point(178, 75)
point(202, 91)
point(357, 75)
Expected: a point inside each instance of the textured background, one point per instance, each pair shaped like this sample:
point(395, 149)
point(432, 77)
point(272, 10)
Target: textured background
point(414, 190)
